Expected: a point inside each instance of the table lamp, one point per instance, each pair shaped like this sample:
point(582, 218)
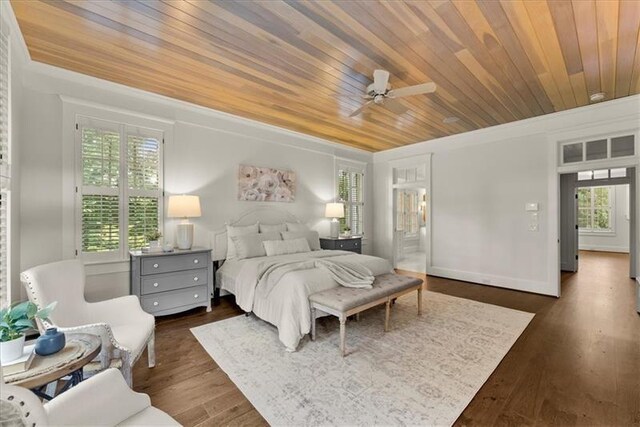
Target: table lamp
point(184, 207)
point(335, 211)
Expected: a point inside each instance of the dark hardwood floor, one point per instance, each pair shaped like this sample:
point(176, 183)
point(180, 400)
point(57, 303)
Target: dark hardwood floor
point(577, 363)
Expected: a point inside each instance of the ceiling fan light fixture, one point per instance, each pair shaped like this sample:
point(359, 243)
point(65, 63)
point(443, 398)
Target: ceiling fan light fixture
point(597, 97)
point(451, 119)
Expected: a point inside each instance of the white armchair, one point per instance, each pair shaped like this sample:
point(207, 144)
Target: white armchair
point(102, 400)
point(125, 329)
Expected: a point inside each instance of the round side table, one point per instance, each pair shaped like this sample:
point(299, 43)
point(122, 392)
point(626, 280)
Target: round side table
point(80, 349)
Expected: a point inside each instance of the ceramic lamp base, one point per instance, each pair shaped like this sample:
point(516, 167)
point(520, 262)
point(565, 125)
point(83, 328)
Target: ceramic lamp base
point(334, 232)
point(184, 235)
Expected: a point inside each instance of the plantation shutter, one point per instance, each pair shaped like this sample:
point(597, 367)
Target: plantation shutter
point(120, 196)
point(5, 170)
point(100, 187)
point(351, 193)
point(143, 176)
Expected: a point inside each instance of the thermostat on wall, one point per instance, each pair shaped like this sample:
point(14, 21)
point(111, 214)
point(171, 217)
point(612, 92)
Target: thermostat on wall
point(532, 207)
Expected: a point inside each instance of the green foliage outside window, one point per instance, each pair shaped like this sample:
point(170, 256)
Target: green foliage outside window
point(595, 208)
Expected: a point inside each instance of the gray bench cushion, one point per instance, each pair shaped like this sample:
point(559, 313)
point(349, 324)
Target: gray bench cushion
point(344, 299)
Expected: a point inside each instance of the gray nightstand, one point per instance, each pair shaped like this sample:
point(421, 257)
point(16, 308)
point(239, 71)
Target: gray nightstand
point(172, 282)
point(353, 244)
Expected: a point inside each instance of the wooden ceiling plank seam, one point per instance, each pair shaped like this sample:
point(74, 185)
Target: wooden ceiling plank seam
point(542, 22)
point(607, 20)
point(491, 114)
point(459, 25)
point(628, 33)
point(519, 19)
point(508, 41)
point(445, 89)
point(584, 12)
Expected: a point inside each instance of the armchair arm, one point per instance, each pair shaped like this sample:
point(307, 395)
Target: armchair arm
point(104, 399)
point(117, 311)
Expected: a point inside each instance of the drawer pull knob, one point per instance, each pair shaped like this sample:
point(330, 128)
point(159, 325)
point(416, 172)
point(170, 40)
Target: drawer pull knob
point(195, 296)
point(195, 279)
point(155, 285)
point(155, 303)
point(195, 261)
point(155, 265)
point(356, 245)
point(341, 245)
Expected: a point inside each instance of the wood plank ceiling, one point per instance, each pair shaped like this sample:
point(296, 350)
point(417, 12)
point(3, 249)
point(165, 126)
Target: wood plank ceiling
point(303, 65)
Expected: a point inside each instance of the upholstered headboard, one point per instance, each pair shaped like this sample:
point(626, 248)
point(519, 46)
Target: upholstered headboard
point(263, 215)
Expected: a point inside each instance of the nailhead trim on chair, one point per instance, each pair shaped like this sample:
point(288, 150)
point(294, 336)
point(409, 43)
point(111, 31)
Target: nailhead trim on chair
point(21, 403)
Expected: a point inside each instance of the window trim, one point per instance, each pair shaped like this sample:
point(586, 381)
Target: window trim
point(612, 215)
point(124, 127)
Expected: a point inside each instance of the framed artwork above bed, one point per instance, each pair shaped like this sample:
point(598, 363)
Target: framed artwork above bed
point(260, 184)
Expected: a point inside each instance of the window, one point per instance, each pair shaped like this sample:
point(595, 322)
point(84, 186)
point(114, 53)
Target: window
point(351, 193)
point(120, 187)
point(5, 171)
point(601, 149)
point(595, 209)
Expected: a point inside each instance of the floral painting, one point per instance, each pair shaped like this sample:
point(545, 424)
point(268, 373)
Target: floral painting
point(256, 184)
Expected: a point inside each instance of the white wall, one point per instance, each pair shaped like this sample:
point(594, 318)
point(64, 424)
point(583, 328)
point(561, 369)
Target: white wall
point(202, 154)
point(481, 181)
point(618, 241)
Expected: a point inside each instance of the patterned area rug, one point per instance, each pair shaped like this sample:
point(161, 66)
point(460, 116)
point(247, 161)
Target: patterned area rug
point(425, 371)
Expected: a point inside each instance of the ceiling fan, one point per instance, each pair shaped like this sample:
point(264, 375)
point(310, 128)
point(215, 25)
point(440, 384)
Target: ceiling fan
point(380, 93)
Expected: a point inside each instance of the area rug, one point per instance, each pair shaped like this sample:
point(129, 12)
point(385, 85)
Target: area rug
point(424, 371)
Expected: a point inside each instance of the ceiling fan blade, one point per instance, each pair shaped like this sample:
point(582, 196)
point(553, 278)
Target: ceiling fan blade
point(413, 90)
point(361, 109)
point(380, 80)
point(394, 106)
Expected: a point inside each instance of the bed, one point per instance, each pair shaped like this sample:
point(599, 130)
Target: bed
point(283, 301)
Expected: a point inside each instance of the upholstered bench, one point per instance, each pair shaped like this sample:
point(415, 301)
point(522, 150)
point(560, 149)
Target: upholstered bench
point(343, 302)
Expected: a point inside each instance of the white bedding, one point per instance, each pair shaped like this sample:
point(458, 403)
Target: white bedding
point(286, 305)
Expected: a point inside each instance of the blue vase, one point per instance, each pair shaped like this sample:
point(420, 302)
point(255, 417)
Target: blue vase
point(50, 342)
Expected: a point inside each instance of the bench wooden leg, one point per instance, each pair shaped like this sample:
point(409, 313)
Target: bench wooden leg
point(419, 301)
point(387, 313)
point(343, 333)
point(313, 324)
point(357, 317)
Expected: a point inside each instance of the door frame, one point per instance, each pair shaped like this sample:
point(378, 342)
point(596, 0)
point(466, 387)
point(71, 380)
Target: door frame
point(415, 161)
point(627, 125)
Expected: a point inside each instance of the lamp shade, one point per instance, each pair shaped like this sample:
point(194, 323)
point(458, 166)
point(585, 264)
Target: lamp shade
point(334, 210)
point(184, 207)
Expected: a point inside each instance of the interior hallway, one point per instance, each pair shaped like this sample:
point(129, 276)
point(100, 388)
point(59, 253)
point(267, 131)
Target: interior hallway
point(416, 262)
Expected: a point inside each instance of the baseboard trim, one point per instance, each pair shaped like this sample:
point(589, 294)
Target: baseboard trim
point(598, 248)
point(532, 286)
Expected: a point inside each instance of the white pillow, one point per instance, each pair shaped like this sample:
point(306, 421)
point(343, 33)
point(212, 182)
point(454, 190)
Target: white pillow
point(269, 228)
point(250, 245)
point(284, 247)
point(296, 226)
point(233, 231)
point(313, 238)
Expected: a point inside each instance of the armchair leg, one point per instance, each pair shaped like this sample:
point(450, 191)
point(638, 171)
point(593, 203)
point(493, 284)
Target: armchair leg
point(151, 349)
point(126, 368)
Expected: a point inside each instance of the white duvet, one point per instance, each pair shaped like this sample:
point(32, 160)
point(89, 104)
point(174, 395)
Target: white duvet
point(285, 304)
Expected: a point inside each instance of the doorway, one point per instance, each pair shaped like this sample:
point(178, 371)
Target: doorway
point(410, 229)
point(598, 214)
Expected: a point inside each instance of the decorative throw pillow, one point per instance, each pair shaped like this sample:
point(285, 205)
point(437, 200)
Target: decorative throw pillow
point(313, 238)
point(233, 231)
point(285, 247)
point(250, 245)
point(269, 228)
point(296, 226)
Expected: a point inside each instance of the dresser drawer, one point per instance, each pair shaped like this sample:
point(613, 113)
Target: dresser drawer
point(172, 281)
point(174, 299)
point(347, 244)
point(164, 264)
